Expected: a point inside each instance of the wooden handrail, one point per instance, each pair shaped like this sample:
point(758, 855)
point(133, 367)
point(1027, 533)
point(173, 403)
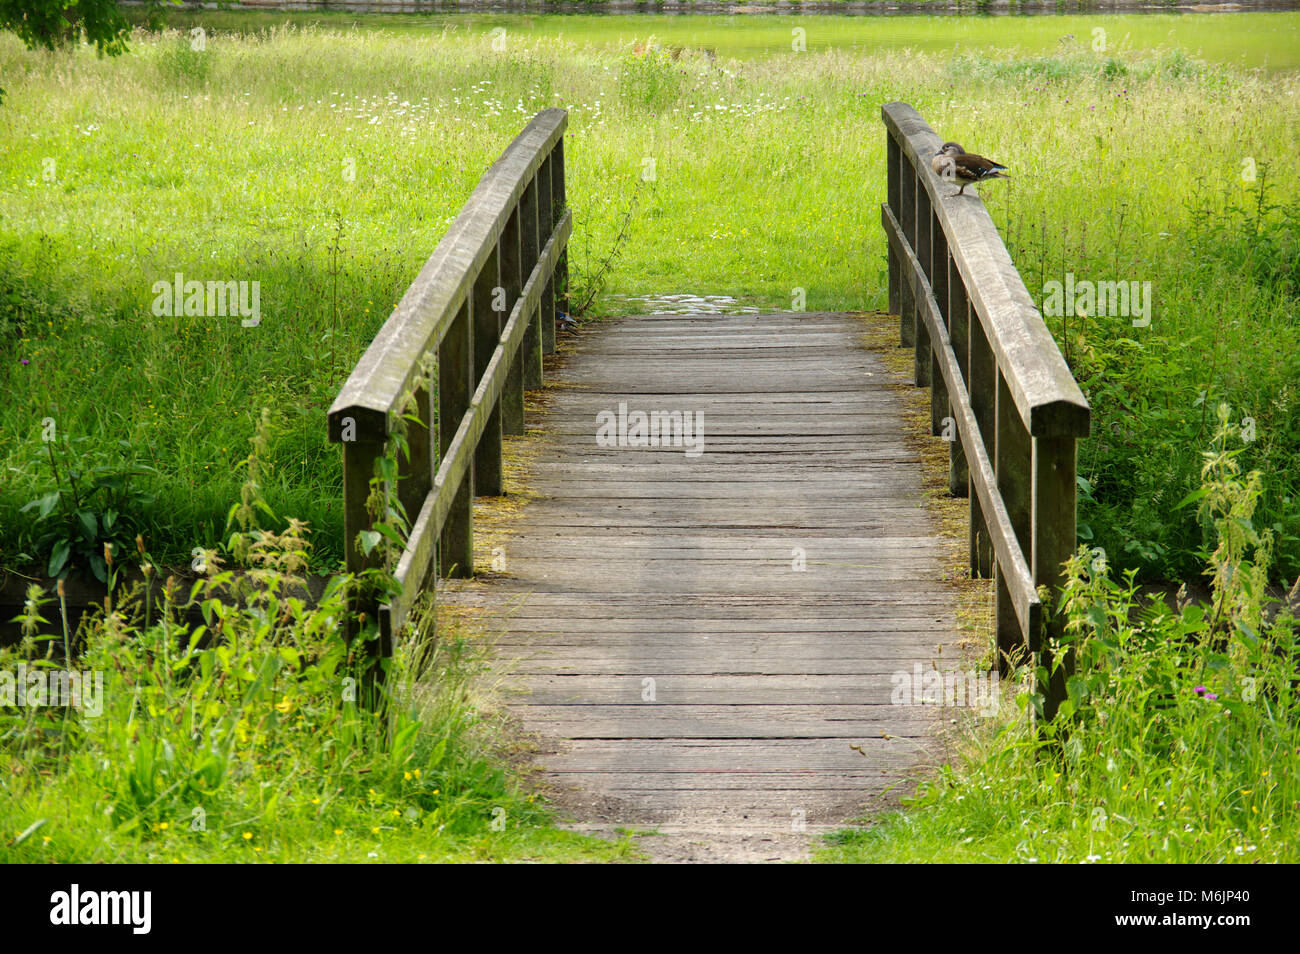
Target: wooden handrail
point(999, 388)
point(481, 313)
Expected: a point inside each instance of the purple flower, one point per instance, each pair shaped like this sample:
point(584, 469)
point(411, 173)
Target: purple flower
point(1210, 695)
point(25, 361)
point(1199, 690)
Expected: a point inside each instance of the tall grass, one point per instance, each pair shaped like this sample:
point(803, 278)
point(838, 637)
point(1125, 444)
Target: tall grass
point(245, 738)
point(327, 163)
point(1176, 744)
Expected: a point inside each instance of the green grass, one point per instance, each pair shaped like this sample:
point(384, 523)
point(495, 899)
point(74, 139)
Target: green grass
point(1267, 40)
point(1177, 743)
point(254, 737)
point(229, 164)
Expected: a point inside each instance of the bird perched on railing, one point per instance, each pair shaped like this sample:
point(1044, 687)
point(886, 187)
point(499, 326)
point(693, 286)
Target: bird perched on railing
point(952, 163)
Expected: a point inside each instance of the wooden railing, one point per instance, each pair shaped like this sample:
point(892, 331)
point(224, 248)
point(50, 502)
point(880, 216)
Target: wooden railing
point(477, 320)
point(999, 388)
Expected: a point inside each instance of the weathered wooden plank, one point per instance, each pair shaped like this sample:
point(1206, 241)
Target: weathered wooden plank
point(637, 563)
point(736, 784)
point(744, 756)
point(545, 689)
point(765, 720)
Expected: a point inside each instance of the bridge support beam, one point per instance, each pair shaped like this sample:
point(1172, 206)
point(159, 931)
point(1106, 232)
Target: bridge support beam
point(1014, 461)
point(455, 391)
point(1054, 535)
point(959, 321)
point(529, 247)
point(981, 382)
point(512, 272)
point(487, 331)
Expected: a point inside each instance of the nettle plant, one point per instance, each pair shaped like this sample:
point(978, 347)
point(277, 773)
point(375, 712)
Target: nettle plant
point(256, 714)
point(94, 506)
point(1196, 685)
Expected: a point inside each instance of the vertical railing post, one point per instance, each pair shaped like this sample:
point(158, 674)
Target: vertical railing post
point(455, 391)
point(1054, 538)
point(559, 203)
point(924, 220)
point(415, 473)
point(530, 352)
point(941, 420)
point(487, 334)
point(959, 335)
point(512, 280)
point(893, 171)
point(358, 469)
point(982, 382)
point(1013, 467)
point(545, 226)
point(906, 213)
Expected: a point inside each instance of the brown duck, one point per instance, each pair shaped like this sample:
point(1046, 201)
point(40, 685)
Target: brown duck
point(954, 164)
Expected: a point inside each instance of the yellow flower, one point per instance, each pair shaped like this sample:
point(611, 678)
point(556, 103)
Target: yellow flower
point(406, 775)
point(338, 831)
point(163, 826)
point(315, 801)
point(417, 773)
point(375, 830)
point(248, 835)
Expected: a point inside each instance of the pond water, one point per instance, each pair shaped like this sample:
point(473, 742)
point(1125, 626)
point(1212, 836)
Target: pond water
point(1264, 35)
point(873, 8)
point(684, 304)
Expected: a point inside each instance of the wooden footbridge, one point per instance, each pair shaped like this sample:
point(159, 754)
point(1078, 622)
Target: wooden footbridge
point(721, 598)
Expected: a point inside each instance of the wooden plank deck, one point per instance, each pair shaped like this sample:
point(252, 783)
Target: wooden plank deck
point(636, 564)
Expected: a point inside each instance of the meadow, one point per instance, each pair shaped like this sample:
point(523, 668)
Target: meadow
point(325, 162)
point(274, 742)
point(323, 156)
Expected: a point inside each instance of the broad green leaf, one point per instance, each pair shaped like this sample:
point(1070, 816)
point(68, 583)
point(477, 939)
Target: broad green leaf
point(1194, 496)
point(59, 557)
point(369, 540)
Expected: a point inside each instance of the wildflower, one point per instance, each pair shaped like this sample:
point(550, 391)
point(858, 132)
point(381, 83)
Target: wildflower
point(248, 835)
point(338, 831)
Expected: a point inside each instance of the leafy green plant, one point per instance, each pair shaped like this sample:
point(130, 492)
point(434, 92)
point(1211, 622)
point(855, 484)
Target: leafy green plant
point(186, 62)
point(95, 503)
point(650, 77)
point(1176, 738)
point(245, 737)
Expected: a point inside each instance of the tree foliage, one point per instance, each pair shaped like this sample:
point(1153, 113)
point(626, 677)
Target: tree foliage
point(53, 23)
